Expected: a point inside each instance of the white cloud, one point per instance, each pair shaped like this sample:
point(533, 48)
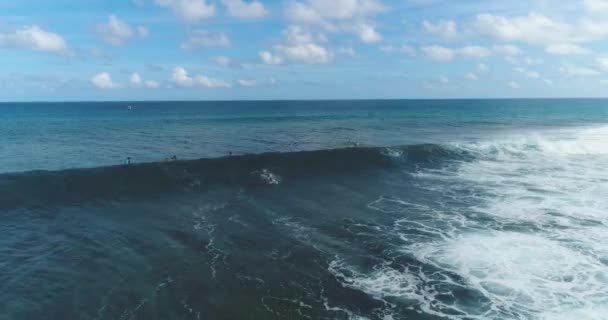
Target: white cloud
point(566, 49)
point(514, 85)
point(309, 53)
point(572, 70)
point(102, 81)
point(189, 10)
point(203, 38)
point(482, 68)
point(269, 58)
point(533, 28)
point(352, 16)
point(135, 80)
point(538, 29)
point(34, 37)
point(151, 84)
point(207, 82)
point(300, 35)
point(143, 31)
point(602, 63)
point(256, 83)
point(347, 51)
point(243, 9)
point(300, 46)
point(527, 73)
point(533, 61)
point(596, 6)
point(474, 52)
point(471, 76)
point(319, 11)
point(117, 31)
point(181, 78)
point(403, 49)
point(507, 50)
point(439, 53)
point(248, 82)
point(446, 29)
point(221, 60)
point(367, 33)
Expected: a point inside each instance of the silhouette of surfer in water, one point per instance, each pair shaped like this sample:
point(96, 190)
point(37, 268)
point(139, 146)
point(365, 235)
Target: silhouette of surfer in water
point(128, 161)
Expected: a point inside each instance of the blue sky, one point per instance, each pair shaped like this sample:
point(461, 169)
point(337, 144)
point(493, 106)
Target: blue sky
point(57, 50)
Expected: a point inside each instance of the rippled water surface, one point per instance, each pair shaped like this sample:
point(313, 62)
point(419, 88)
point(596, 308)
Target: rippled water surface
point(490, 209)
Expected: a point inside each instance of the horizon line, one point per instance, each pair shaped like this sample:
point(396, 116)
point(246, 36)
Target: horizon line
point(306, 100)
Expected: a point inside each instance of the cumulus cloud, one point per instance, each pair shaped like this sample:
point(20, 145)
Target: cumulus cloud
point(347, 51)
point(538, 29)
point(207, 82)
point(300, 46)
point(309, 53)
point(527, 73)
point(151, 84)
point(256, 83)
point(135, 80)
point(35, 38)
point(402, 49)
point(439, 53)
point(181, 78)
point(270, 59)
point(319, 11)
point(533, 28)
point(221, 60)
point(507, 50)
point(514, 85)
point(367, 32)
point(203, 38)
point(471, 76)
point(242, 9)
point(602, 63)
point(446, 29)
point(482, 68)
point(117, 31)
point(596, 6)
point(189, 10)
point(572, 70)
point(566, 49)
point(102, 81)
point(474, 52)
point(351, 16)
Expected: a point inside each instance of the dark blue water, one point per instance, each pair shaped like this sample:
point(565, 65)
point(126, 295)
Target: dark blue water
point(464, 209)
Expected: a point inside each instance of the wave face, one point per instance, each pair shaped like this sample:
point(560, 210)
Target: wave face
point(42, 188)
point(508, 226)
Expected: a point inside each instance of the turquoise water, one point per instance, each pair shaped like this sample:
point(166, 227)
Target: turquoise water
point(453, 209)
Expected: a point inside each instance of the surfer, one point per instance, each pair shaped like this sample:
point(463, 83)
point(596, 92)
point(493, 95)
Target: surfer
point(128, 161)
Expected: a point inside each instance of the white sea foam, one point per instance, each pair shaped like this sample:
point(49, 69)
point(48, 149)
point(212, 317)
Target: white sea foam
point(551, 191)
point(268, 177)
point(383, 282)
point(524, 275)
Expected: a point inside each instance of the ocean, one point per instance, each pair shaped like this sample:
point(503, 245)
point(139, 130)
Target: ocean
point(414, 209)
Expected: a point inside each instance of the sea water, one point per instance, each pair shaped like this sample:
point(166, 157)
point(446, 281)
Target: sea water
point(448, 209)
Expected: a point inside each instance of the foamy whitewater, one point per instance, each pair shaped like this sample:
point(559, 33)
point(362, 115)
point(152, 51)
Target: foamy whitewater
point(505, 218)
